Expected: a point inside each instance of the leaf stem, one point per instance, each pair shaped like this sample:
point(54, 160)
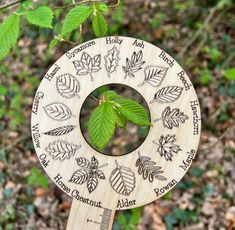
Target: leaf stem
point(159, 119)
point(102, 166)
point(74, 4)
point(141, 84)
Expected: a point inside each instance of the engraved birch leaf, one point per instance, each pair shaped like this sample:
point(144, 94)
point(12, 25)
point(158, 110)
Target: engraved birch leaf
point(166, 146)
point(148, 170)
point(122, 180)
point(167, 94)
point(58, 111)
point(134, 64)
point(60, 130)
point(83, 162)
point(67, 86)
point(80, 176)
point(92, 182)
point(172, 118)
point(111, 60)
point(87, 65)
point(154, 75)
point(61, 150)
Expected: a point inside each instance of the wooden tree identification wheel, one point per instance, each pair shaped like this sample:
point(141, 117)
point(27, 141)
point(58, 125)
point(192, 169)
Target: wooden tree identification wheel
point(100, 184)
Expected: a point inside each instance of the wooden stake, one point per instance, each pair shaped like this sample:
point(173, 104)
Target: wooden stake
point(82, 216)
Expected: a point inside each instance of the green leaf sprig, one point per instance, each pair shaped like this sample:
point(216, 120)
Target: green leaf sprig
point(114, 111)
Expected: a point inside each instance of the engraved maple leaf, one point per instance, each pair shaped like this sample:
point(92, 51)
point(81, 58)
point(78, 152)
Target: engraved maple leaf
point(88, 65)
point(167, 147)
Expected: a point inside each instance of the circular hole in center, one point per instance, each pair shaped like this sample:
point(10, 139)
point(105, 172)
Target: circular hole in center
point(124, 140)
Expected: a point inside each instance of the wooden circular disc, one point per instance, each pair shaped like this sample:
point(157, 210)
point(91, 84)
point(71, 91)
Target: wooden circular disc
point(130, 180)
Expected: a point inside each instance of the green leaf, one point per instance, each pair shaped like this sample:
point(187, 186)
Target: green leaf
point(230, 74)
point(3, 90)
point(103, 7)
point(9, 33)
point(110, 95)
point(206, 77)
point(54, 42)
point(102, 124)
point(99, 24)
point(75, 18)
point(42, 16)
point(121, 120)
point(133, 111)
point(37, 178)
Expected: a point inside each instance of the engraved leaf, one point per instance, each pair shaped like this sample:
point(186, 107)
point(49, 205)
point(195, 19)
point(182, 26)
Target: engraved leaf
point(87, 64)
point(61, 150)
point(92, 182)
point(154, 75)
point(111, 60)
point(148, 170)
point(166, 146)
point(80, 176)
point(134, 64)
point(60, 130)
point(100, 175)
point(172, 118)
point(89, 172)
point(167, 94)
point(83, 162)
point(58, 111)
point(122, 180)
point(67, 85)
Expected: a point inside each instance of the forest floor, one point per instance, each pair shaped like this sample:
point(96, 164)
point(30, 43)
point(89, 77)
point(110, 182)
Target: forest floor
point(201, 36)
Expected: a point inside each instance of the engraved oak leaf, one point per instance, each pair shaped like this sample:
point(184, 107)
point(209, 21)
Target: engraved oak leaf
point(166, 146)
point(88, 65)
point(61, 150)
point(88, 172)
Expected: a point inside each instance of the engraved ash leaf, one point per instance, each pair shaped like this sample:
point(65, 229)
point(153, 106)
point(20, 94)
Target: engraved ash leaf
point(148, 169)
point(122, 180)
point(172, 118)
point(60, 130)
point(154, 75)
point(111, 60)
point(167, 94)
point(134, 64)
point(166, 147)
point(61, 150)
point(89, 172)
point(67, 86)
point(88, 65)
point(58, 111)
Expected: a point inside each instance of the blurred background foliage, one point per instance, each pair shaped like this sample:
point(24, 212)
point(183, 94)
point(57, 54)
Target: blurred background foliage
point(198, 34)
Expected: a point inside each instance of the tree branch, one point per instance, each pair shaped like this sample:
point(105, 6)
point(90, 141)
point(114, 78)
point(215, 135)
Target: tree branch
point(198, 32)
point(10, 4)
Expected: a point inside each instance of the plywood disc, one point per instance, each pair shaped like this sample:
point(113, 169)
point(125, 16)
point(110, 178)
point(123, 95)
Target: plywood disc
point(130, 180)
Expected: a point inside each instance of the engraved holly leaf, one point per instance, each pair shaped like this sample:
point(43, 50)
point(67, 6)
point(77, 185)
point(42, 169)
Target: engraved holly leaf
point(61, 150)
point(167, 94)
point(87, 64)
point(58, 111)
point(166, 146)
point(148, 169)
point(111, 60)
point(172, 118)
point(154, 75)
point(88, 172)
point(134, 64)
point(122, 180)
